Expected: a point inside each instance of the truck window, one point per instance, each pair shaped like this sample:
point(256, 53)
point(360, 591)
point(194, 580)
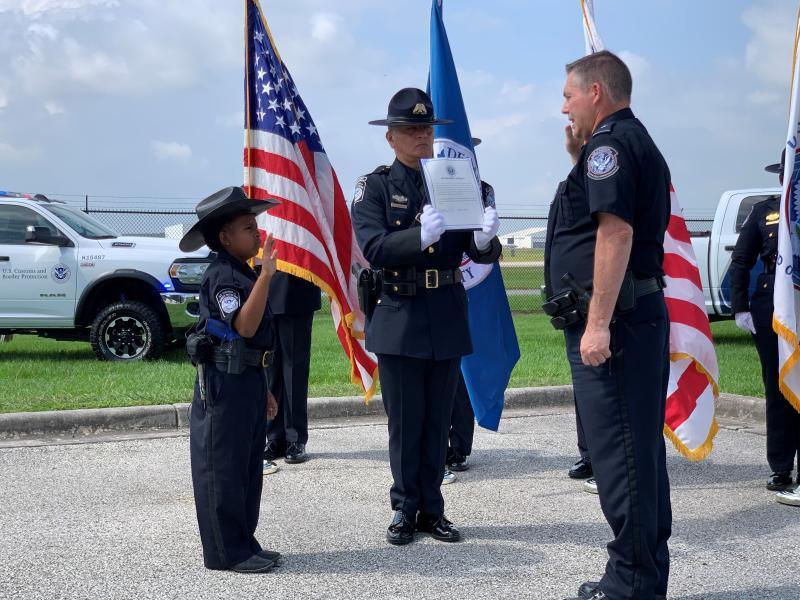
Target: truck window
point(14, 223)
point(747, 206)
point(83, 224)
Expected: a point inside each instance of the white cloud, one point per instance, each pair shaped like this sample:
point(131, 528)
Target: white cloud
point(325, 26)
point(495, 126)
point(38, 7)
point(15, 154)
point(517, 93)
point(171, 150)
point(638, 65)
point(53, 108)
point(768, 54)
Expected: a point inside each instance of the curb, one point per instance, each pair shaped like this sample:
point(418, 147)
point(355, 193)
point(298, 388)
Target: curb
point(84, 422)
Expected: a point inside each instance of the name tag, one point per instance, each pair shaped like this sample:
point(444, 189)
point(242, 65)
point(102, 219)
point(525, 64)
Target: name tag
point(398, 201)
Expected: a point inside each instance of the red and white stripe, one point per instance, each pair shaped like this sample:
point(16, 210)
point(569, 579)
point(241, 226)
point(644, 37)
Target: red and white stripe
point(694, 374)
point(313, 232)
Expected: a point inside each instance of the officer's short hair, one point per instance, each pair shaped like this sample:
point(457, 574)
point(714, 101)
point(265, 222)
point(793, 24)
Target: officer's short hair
point(608, 70)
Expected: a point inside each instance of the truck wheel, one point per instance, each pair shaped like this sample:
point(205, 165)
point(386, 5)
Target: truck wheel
point(127, 331)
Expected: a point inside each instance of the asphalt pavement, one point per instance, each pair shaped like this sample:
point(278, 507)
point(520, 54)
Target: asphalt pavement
point(113, 517)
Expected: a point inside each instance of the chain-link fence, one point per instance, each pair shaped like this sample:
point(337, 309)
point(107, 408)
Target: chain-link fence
point(523, 240)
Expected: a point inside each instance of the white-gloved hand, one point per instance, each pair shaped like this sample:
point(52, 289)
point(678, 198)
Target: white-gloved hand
point(491, 223)
point(744, 320)
point(433, 226)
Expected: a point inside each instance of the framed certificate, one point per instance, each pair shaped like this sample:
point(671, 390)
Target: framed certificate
point(454, 191)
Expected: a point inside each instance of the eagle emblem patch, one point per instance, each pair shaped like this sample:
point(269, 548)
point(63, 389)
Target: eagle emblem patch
point(228, 301)
point(602, 163)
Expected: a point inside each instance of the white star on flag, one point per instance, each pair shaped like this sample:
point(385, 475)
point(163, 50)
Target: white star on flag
point(295, 128)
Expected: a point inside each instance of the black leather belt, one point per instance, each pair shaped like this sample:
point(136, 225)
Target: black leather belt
point(405, 282)
point(643, 287)
point(251, 357)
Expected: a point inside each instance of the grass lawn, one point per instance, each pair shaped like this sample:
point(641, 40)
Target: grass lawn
point(39, 374)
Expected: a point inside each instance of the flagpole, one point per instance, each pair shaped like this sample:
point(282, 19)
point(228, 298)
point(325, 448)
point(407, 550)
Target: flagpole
point(247, 94)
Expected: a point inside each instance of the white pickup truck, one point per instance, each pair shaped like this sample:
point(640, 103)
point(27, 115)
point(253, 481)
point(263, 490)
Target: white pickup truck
point(714, 248)
point(66, 276)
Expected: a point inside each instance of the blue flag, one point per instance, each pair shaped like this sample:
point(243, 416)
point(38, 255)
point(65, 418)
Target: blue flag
point(496, 350)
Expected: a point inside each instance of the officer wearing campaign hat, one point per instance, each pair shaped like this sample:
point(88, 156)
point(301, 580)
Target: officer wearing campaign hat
point(758, 239)
point(418, 328)
point(231, 346)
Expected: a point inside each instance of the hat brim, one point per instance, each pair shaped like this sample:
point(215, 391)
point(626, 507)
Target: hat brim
point(409, 122)
point(194, 240)
point(776, 168)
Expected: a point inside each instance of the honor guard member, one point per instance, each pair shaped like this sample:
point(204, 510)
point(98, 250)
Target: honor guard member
point(231, 347)
point(292, 303)
point(418, 327)
point(605, 260)
point(758, 239)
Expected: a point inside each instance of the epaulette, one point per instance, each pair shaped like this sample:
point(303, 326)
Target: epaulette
point(382, 170)
point(604, 128)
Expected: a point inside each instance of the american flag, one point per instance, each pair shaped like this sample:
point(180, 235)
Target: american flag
point(694, 374)
point(284, 159)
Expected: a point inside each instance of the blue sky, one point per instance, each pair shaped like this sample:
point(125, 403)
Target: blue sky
point(144, 97)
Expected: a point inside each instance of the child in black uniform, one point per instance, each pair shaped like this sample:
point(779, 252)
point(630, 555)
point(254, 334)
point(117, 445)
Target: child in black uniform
point(231, 404)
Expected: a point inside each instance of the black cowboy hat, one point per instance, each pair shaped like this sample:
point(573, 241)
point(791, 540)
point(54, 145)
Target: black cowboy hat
point(476, 142)
point(777, 167)
point(213, 211)
point(410, 107)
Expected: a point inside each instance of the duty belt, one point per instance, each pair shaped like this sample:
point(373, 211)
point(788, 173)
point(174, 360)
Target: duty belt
point(250, 357)
point(643, 287)
point(405, 281)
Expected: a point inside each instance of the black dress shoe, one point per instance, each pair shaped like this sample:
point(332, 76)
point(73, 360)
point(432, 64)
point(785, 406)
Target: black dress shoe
point(296, 453)
point(456, 461)
point(780, 481)
point(275, 449)
point(439, 527)
point(271, 555)
point(589, 588)
point(401, 529)
point(581, 469)
point(254, 564)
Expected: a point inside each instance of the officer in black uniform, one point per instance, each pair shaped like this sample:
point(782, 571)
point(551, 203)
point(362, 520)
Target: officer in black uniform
point(759, 239)
point(292, 303)
point(231, 346)
point(418, 328)
point(605, 266)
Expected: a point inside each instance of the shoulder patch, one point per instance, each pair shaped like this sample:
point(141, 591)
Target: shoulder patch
point(361, 185)
point(228, 301)
point(602, 163)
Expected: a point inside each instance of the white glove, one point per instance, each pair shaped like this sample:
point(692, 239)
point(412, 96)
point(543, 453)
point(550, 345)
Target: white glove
point(491, 223)
point(744, 320)
point(433, 226)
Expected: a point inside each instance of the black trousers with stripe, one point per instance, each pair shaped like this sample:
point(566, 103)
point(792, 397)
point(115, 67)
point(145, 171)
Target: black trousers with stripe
point(621, 406)
point(227, 434)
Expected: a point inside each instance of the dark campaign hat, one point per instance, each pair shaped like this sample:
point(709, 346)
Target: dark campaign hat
point(476, 142)
point(410, 107)
point(213, 212)
point(777, 167)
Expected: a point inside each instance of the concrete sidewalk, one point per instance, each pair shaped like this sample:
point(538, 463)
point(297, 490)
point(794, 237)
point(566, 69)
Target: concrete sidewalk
point(116, 521)
point(75, 424)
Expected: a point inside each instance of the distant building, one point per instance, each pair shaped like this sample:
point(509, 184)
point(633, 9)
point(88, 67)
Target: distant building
point(532, 237)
